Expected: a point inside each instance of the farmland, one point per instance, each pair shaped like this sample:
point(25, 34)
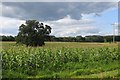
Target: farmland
point(60, 60)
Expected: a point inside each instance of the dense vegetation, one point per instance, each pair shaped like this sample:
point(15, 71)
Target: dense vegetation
point(33, 33)
point(92, 38)
point(7, 38)
point(60, 60)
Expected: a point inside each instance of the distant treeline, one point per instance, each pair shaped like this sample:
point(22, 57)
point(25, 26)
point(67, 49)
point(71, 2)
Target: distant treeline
point(7, 38)
point(92, 38)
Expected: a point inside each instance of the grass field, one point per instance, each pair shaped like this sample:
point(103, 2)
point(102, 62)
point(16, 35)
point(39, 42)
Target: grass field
point(60, 60)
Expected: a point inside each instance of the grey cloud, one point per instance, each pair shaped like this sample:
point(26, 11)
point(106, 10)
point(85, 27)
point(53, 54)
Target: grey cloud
point(74, 31)
point(72, 27)
point(12, 31)
point(60, 1)
point(52, 10)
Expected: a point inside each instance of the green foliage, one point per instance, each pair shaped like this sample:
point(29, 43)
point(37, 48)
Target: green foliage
point(7, 38)
point(59, 62)
point(33, 33)
point(92, 38)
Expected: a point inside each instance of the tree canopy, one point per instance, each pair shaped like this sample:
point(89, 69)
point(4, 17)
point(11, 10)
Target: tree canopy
point(33, 33)
point(52, 38)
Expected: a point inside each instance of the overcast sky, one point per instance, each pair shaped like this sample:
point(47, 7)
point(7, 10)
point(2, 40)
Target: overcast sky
point(65, 18)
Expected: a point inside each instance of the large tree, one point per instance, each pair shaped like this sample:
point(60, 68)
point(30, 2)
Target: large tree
point(33, 33)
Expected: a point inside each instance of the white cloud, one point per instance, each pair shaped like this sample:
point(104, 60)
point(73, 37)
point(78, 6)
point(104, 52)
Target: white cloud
point(62, 27)
point(115, 30)
point(116, 26)
point(65, 26)
point(9, 26)
point(69, 21)
point(72, 27)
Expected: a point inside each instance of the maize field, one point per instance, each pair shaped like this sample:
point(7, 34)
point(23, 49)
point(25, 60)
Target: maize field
point(59, 62)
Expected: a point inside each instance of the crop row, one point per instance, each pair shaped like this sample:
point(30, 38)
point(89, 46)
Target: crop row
point(31, 61)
